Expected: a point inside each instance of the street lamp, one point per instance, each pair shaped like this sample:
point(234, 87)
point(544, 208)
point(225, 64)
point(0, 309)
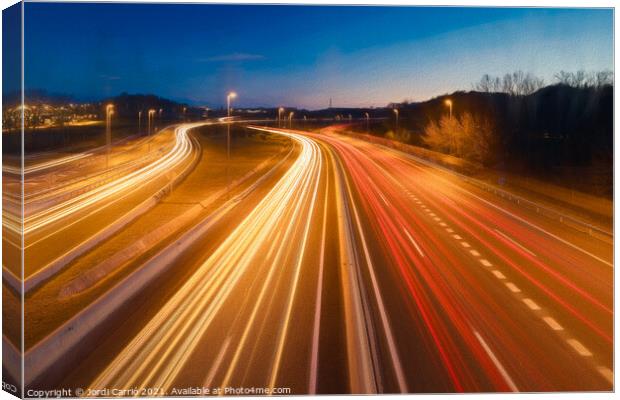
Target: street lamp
point(109, 110)
point(139, 122)
point(290, 119)
point(448, 103)
point(367, 121)
point(230, 96)
point(150, 118)
point(280, 111)
point(396, 114)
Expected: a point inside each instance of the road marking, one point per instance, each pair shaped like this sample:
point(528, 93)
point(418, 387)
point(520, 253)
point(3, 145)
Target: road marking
point(553, 324)
point(516, 243)
point(579, 348)
point(513, 288)
point(384, 200)
point(437, 219)
point(498, 365)
point(432, 214)
point(443, 224)
point(486, 262)
point(607, 374)
point(414, 242)
point(465, 244)
point(218, 361)
point(498, 274)
point(531, 304)
point(449, 230)
point(457, 237)
point(474, 253)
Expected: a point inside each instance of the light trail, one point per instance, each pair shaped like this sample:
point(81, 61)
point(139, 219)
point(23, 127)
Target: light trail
point(182, 148)
point(437, 292)
point(161, 349)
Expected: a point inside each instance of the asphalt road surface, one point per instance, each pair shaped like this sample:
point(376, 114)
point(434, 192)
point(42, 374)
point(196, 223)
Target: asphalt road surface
point(360, 269)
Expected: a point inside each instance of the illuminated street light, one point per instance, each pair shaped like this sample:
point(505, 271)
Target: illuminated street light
point(290, 119)
point(367, 121)
point(139, 122)
point(280, 111)
point(109, 110)
point(150, 118)
point(396, 114)
point(230, 96)
point(448, 103)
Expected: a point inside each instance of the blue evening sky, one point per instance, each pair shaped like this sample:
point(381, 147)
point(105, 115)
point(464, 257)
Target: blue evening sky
point(301, 55)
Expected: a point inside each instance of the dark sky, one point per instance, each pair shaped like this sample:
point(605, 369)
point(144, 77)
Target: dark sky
point(300, 55)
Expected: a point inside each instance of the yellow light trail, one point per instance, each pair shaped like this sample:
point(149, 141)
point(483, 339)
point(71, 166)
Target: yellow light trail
point(157, 354)
point(180, 151)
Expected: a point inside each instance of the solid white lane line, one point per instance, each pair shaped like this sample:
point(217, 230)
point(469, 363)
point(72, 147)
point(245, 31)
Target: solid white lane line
point(531, 304)
point(498, 274)
point(497, 363)
point(516, 243)
point(513, 288)
point(579, 348)
point(606, 373)
point(413, 242)
point(553, 324)
point(474, 253)
point(486, 262)
point(465, 244)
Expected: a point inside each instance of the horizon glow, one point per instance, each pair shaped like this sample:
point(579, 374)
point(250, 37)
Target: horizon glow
point(301, 56)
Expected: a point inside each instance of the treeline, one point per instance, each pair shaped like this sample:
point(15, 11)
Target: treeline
point(516, 122)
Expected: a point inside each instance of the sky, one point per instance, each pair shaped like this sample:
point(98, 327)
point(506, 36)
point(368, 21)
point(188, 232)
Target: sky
point(301, 55)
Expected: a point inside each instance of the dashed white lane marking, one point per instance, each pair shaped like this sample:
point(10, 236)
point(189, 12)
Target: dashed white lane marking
point(384, 200)
point(513, 288)
point(449, 230)
point(413, 242)
point(432, 214)
point(579, 348)
point(498, 274)
point(531, 304)
point(457, 237)
point(474, 253)
point(607, 374)
point(553, 324)
point(498, 364)
point(516, 243)
point(437, 219)
point(443, 224)
point(465, 244)
point(486, 262)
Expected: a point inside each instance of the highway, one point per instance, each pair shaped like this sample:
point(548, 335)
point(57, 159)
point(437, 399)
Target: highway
point(361, 269)
point(364, 270)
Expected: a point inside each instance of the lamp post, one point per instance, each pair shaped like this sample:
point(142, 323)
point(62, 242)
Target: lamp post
point(139, 122)
point(184, 109)
point(290, 120)
point(280, 111)
point(448, 103)
point(109, 110)
point(396, 114)
point(367, 121)
point(230, 96)
point(151, 117)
